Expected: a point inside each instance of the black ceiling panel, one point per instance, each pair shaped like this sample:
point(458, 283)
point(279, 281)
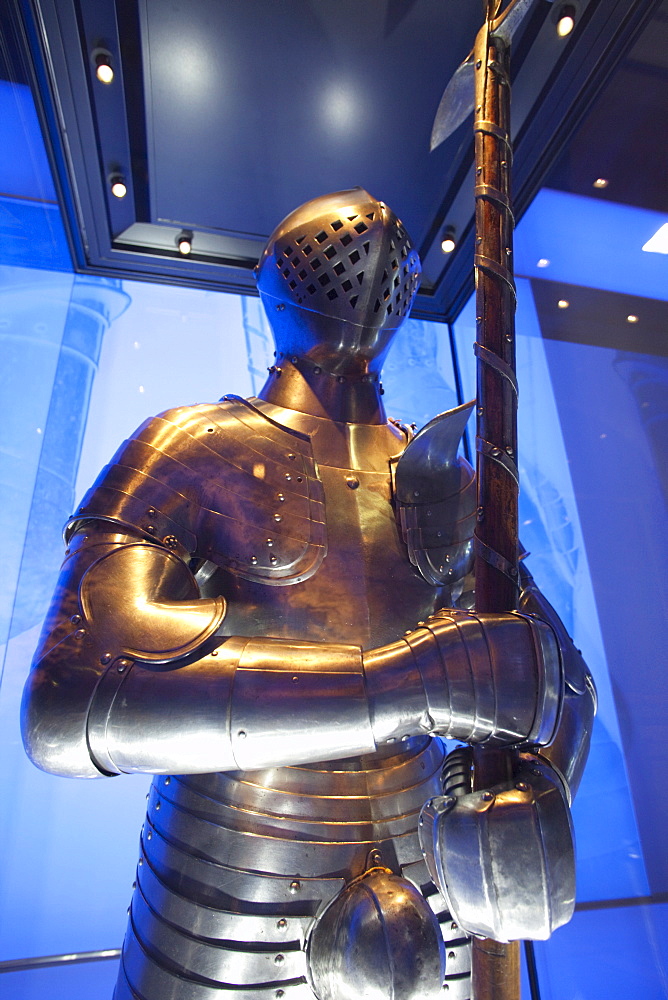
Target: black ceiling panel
point(601, 318)
point(623, 138)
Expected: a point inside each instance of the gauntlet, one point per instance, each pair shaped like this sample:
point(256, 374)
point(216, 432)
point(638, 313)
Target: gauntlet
point(504, 857)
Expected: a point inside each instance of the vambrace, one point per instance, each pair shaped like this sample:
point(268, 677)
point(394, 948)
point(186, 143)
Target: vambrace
point(568, 749)
point(133, 674)
point(249, 703)
point(480, 678)
point(246, 704)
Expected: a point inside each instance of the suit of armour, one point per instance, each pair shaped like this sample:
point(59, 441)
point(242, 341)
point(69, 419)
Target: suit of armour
point(266, 604)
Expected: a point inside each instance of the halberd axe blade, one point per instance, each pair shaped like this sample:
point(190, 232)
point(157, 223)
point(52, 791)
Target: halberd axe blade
point(457, 101)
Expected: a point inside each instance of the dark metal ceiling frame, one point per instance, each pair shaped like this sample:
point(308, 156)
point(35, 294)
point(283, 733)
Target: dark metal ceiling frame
point(110, 236)
point(607, 30)
point(554, 86)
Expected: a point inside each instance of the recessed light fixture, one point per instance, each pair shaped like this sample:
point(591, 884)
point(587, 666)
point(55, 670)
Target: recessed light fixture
point(631, 319)
point(543, 262)
point(659, 242)
point(449, 242)
point(104, 69)
point(566, 20)
point(563, 303)
point(119, 188)
point(184, 241)
point(601, 182)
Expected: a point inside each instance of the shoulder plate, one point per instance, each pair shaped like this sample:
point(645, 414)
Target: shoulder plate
point(435, 493)
point(221, 482)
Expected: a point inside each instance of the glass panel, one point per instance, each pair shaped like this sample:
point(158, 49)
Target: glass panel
point(591, 242)
point(84, 361)
point(172, 347)
point(607, 953)
point(593, 376)
point(87, 981)
point(418, 375)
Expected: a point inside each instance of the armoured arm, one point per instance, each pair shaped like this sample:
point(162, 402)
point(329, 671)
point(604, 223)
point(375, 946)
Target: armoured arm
point(568, 750)
point(132, 674)
point(504, 856)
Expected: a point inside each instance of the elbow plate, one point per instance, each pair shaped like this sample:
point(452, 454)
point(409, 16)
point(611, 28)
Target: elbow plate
point(139, 603)
point(117, 601)
point(142, 602)
point(568, 749)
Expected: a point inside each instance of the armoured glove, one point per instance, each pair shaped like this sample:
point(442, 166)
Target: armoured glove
point(503, 857)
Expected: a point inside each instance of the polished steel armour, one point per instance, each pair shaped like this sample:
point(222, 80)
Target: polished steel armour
point(266, 604)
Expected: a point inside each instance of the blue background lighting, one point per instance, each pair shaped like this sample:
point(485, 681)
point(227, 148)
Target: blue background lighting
point(86, 359)
point(591, 242)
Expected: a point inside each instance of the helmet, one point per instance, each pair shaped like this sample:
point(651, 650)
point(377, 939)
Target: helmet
point(337, 278)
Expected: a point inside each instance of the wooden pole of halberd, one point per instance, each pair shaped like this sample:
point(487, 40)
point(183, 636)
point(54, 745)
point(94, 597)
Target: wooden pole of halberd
point(495, 966)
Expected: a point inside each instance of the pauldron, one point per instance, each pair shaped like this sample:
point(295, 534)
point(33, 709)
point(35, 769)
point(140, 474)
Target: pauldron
point(220, 482)
point(228, 484)
point(436, 496)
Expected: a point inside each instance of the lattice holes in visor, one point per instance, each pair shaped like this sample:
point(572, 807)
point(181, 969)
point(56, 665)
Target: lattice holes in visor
point(334, 263)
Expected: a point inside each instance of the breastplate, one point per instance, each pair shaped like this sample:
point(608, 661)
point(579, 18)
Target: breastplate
point(291, 517)
point(365, 590)
point(234, 867)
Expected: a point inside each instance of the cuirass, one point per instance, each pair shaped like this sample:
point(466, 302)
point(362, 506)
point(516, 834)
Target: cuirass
point(291, 517)
point(365, 591)
point(312, 530)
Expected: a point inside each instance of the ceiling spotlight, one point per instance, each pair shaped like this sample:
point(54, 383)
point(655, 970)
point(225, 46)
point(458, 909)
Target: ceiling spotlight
point(601, 182)
point(184, 241)
point(119, 188)
point(449, 242)
point(563, 303)
point(543, 262)
point(104, 69)
point(566, 20)
point(631, 319)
